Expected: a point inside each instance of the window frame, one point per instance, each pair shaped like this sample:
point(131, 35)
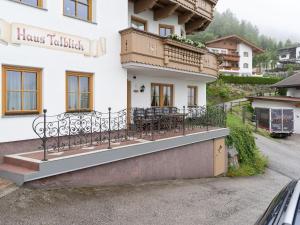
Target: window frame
point(91, 91)
point(166, 26)
point(246, 54)
point(22, 69)
point(90, 11)
point(139, 20)
point(195, 95)
point(246, 67)
point(39, 3)
point(161, 86)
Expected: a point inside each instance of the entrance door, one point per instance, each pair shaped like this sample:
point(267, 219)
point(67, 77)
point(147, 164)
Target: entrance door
point(219, 157)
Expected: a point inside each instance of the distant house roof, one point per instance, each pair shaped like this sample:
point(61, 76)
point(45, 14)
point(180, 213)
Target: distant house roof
point(290, 47)
point(256, 49)
point(292, 81)
point(275, 98)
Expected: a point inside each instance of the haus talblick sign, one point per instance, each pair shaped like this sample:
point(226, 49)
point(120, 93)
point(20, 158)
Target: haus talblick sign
point(23, 34)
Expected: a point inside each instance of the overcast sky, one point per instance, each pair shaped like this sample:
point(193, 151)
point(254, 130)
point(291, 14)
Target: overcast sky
point(276, 18)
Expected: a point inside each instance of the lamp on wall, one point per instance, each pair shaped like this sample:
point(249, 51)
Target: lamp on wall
point(142, 89)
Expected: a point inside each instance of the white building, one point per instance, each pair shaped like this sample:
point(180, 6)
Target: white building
point(288, 103)
point(237, 53)
point(65, 56)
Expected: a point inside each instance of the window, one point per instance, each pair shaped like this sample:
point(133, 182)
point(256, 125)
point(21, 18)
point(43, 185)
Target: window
point(165, 30)
point(81, 9)
point(79, 94)
point(246, 54)
point(138, 23)
point(192, 95)
point(246, 65)
point(21, 90)
point(161, 95)
point(35, 3)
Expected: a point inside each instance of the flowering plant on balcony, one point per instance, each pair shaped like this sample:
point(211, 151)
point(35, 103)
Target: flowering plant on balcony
point(184, 40)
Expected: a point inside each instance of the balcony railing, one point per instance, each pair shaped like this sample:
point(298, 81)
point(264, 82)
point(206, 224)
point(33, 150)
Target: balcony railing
point(68, 131)
point(231, 57)
point(195, 14)
point(150, 49)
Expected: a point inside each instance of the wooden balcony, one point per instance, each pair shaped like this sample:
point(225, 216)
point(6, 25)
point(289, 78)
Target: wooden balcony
point(196, 15)
point(144, 48)
point(231, 57)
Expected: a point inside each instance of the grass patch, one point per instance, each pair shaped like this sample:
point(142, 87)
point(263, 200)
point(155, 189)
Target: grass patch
point(246, 169)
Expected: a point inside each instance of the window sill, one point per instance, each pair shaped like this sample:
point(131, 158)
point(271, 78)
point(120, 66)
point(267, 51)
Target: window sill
point(35, 7)
point(76, 18)
point(25, 113)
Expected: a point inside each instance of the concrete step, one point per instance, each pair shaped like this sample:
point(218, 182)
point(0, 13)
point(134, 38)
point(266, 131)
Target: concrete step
point(7, 187)
point(21, 163)
point(14, 173)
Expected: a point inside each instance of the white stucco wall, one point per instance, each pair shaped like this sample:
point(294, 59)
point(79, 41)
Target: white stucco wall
point(180, 90)
point(280, 105)
point(293, 92)
point(241, 49)
point(109, 77)
point(153, 26)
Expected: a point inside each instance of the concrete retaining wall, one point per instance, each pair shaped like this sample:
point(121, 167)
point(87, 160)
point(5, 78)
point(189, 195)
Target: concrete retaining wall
point(189, 161)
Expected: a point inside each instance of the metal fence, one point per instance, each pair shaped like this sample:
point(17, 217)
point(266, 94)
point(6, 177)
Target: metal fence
point(83, 129)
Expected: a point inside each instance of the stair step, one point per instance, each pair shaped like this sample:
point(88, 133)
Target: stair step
point(15, 169)
point(21, 163)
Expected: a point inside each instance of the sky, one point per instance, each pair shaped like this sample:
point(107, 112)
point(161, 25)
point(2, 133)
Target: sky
point(276, 18)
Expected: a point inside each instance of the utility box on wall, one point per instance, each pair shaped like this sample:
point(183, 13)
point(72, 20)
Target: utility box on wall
point(220, 157)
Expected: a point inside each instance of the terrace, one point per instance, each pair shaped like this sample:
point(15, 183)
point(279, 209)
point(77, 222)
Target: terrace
point(72, 141)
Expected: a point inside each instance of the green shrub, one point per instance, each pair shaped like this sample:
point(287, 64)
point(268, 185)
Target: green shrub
point(249, 80)
point(241, 137)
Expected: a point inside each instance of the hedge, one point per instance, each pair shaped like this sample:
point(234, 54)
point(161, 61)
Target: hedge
point(250, 80)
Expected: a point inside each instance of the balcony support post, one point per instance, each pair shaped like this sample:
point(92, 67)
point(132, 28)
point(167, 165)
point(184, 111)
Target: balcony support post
point(142, 5)
point(165, 12)
point(184, 18)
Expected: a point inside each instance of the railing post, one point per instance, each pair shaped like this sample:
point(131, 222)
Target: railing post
point(109, 127)
point(45, 135)
point(206, 116)
point(231, 105)
point(183, 122)
point(152, 127)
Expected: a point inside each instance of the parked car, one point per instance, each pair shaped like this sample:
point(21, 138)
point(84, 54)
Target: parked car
point(285, 207)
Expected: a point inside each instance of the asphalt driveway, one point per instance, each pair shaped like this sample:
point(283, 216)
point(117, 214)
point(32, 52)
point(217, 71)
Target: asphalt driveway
point(283, 154)
point(215, 201)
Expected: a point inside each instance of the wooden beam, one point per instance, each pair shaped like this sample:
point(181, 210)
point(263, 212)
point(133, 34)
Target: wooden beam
point(194, 25)
point(165, 12)
point(142, 5)
point(184, 18)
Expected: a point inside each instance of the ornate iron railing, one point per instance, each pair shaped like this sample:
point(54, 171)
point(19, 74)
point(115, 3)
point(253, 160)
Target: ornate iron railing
point(85, 129)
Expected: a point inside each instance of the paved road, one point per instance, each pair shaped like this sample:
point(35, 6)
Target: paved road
point(215, 201)
point(284, 154)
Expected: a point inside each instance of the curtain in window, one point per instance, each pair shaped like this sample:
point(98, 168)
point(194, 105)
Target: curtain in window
point(84, 92)
point(72, 92)
point(166, 96)
point(29, 91)
point(155, 95)
point(14, 86)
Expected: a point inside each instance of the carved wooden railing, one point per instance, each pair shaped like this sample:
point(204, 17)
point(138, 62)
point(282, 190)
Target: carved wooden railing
point(197, 7)
point(231, 57)
point(150, 49)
